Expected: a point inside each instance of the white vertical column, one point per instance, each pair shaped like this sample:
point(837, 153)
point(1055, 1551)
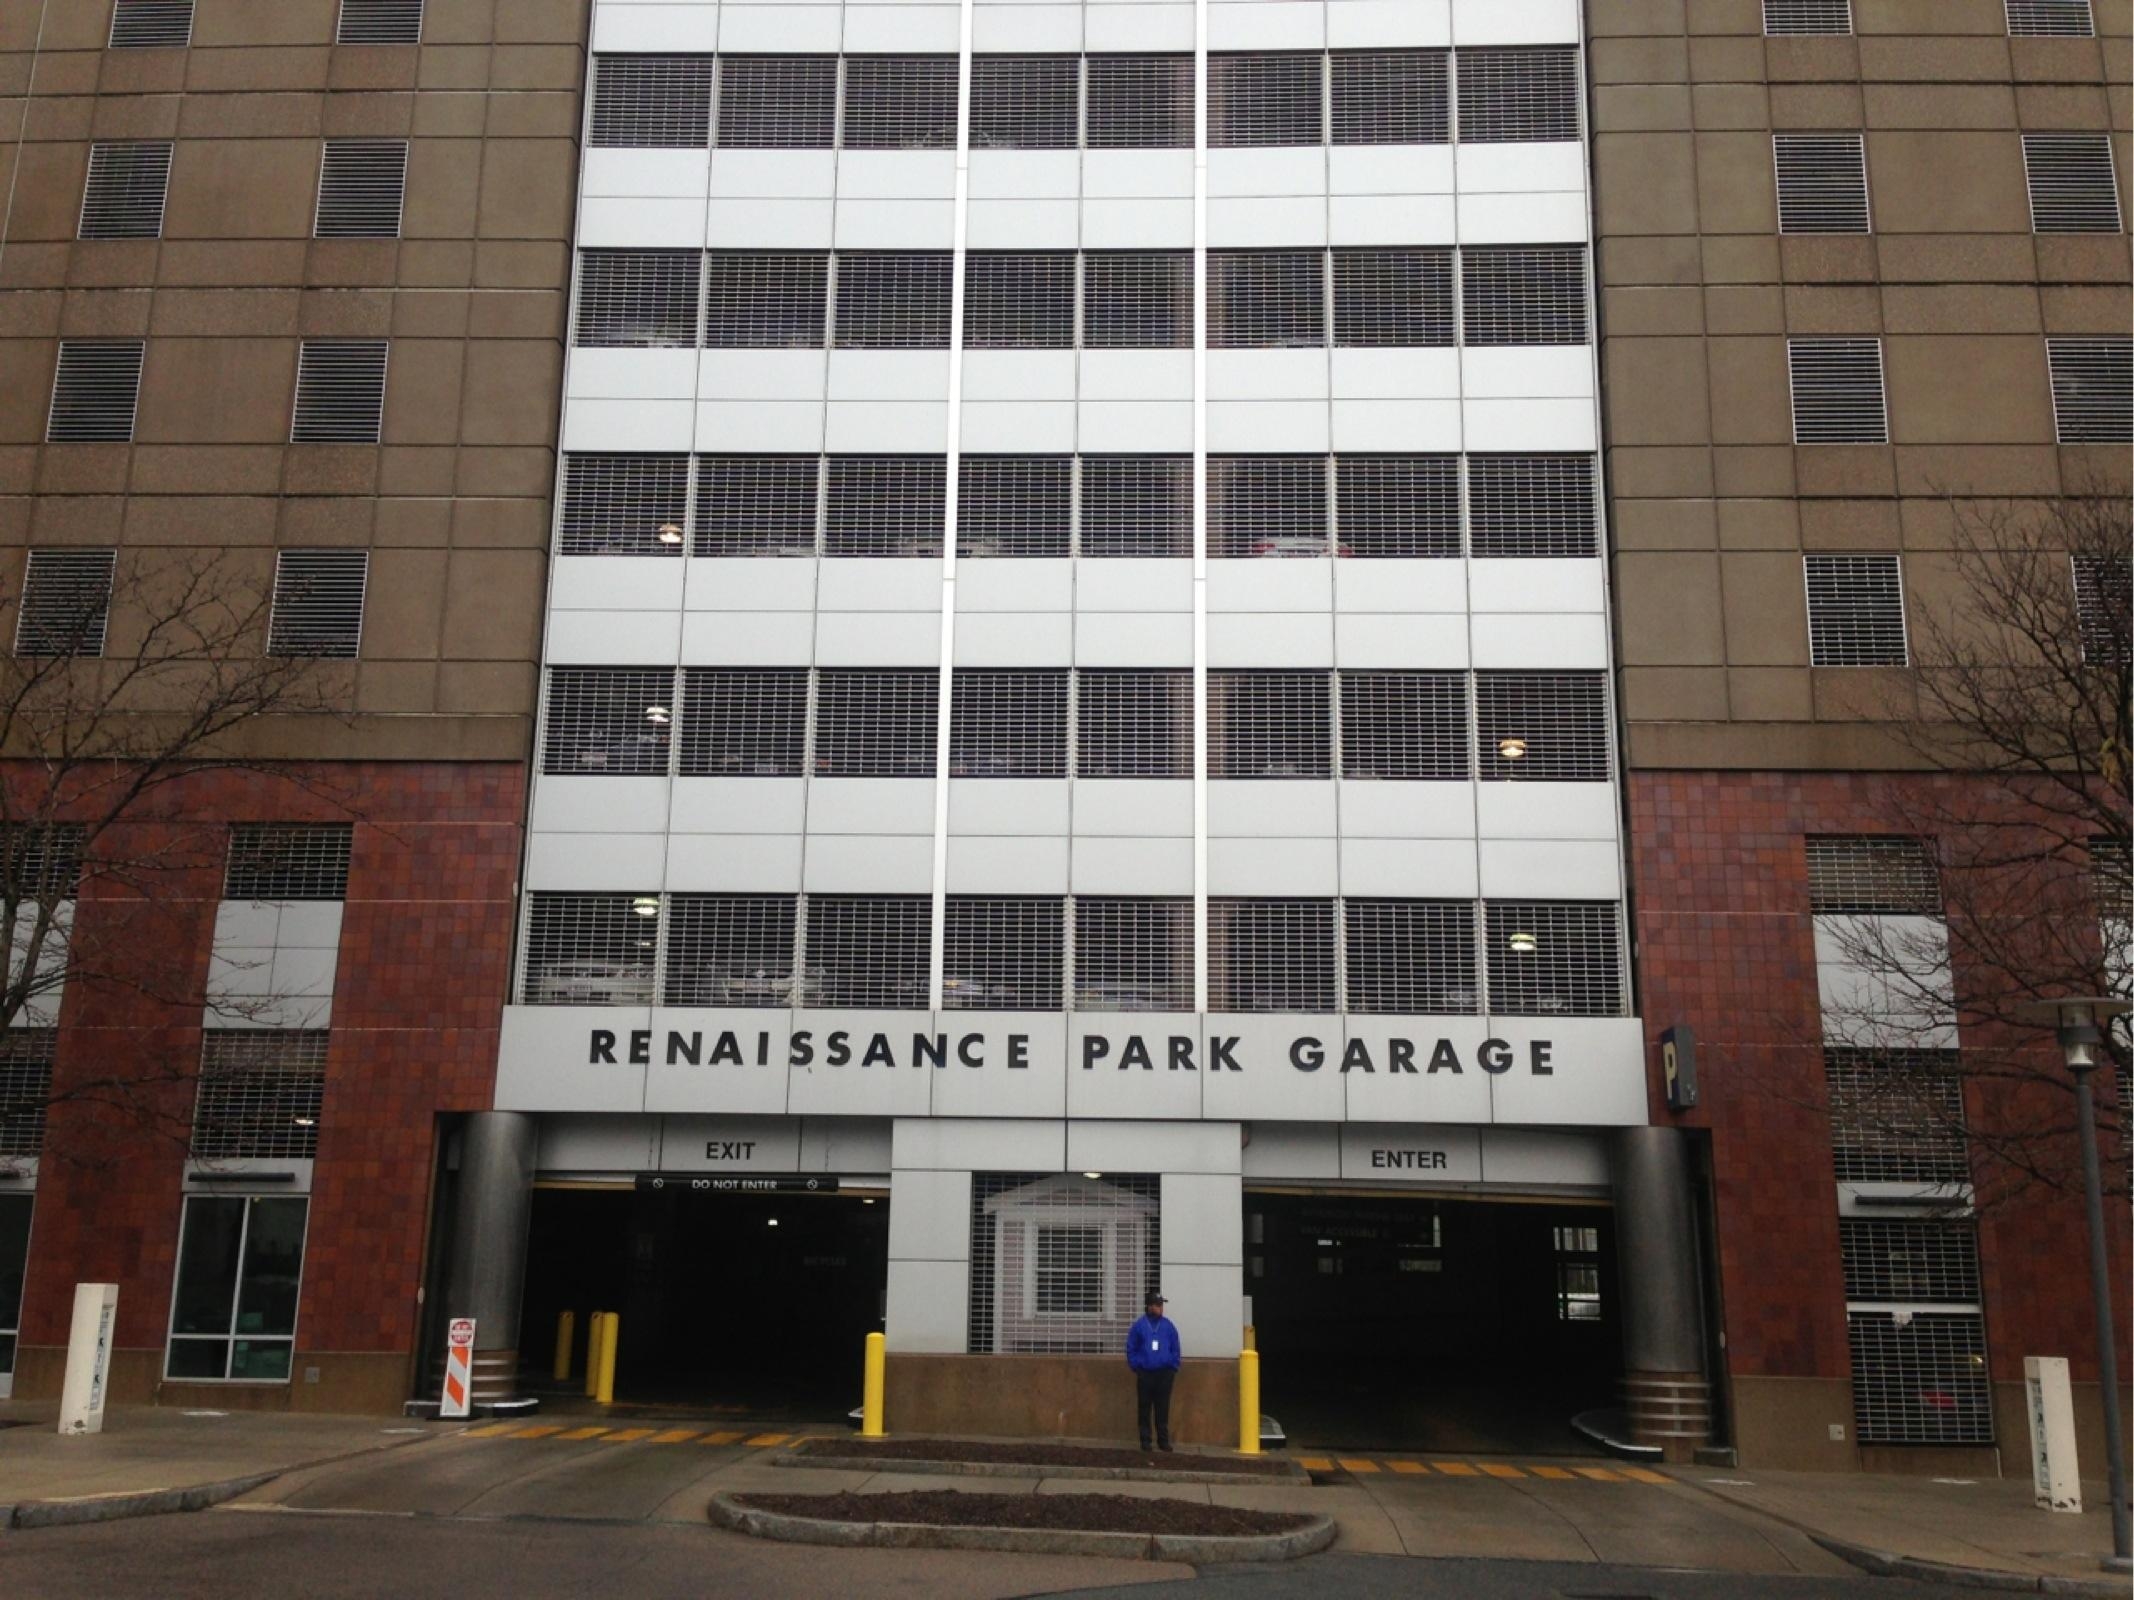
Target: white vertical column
point(1200, 505)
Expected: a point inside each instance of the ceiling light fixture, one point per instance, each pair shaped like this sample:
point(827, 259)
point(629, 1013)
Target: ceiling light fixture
point(1092, 1174)
point(670, 533)
point(658, 716)
point(1523, 944)
point(646, 905)
point(1512, 749)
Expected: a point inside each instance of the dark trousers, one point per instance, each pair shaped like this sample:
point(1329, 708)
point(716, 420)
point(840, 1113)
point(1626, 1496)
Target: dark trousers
point(1152, 1403)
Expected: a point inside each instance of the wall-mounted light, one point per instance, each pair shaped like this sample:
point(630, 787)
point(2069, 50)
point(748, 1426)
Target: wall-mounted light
point(646, 905)
point(658, 716)
point(670, 533)
point(1522, 944)
point(1512, 749)
point(1092, 1174)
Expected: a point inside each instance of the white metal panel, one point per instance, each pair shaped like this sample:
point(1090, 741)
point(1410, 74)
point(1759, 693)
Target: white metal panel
point(1398, 425)
point(1379, 24)
point(1398, 1153)
point(889, 374)
point(542, 1059)
point(1175, 1149)
point(1121, 866)
point(871, 805)
point(762, 375)
point(855, 863)
point(1267, 169)
point(1549, 217)
point(1396, 374)
point(614, 638)
point(1446, 1087)
point(1551, 869)
point(1132, 639)
point(1271, 584)
point(1266, 25)
point(1208, 1302)
point(1477, 22)
point(675, 174)
point(979, 864)
point(565, 804)
point(1136, 585)
point(1540, 640)
point(1261, 866)
point(1115, 224)
point(1125, 426)
point(883, 28)
point(883, 639)
point(1200, 1220)
point(1112, 1084)
point(1135, 374)
point(1020, 584)
point(896, 174)
point(729, 1144)
point(1390, 169)
point(1022, 225)
point(1266, 1084)
point(929, 1212)
point(1010, 428)
point(602, 583)
point(895, 426)
point(759, 224)
point(737, 805)
point(844, 1144)
point(640, 223)
point(753, 1087)
point(1595, 1076)
point(1524, 1155)
point(1430, 869)
point(735, 862)
point(1402, 809)
point(1134, 807)
point(1538, 166)
point(1018, 806)
point(1252, 221)
point(1144, 25)
point(1400, 584)
point(880, 583)
point(1017, 375)
point(929, 1301)
point(627, 424)
point(1272, 425)
point(1528, 372)
point(1025, 175)
point(779, 29)
point(1546, 810)
point(745, 638)
point(1266, 639)
point(597, 1144)
point(595, 862)
point(1538, 584)
point(774, 174)
point(1293, 1150)
point(1137, 174)
point(1023, 1071)
point(1026, 29)
point(646, 29)
point(1527, 425)
point(749, 583)
point(1015, 639)
point(975, 1146)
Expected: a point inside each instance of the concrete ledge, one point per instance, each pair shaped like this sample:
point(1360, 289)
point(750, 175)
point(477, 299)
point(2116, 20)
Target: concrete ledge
point(1291, 1473)
point(117, 1507)
point(1197, 1549)
point(1884, 1564)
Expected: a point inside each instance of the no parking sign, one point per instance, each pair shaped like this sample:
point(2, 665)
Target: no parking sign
point(459, 1369)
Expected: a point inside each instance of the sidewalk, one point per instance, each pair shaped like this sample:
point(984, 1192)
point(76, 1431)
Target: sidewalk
point(150, 1458)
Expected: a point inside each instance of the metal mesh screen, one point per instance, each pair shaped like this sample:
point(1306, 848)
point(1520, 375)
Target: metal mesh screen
point(886, 506)
point(1267, 506)
point(259, 1095)
point(1528, 506)
point(1270, 724)
point(638, 299)
point(1060, 1263)
point(1018, 300)
point(1133, 953)
point(1522, 294)
point(1393, 297)
point(1872, 875)
point(1920, 1377)
point(1391, 96)
point(1266, 299)
point(1133, 723)
point(1910, 1259)
point(1136, 506)
point(340, 391)
point(41, 860)
point(1137, 299)
point(2073, 188)
point(590, 949)
point(2092, 390)
point(1139, 102)
point(1542, 727)
point(288, 861)
point(1413, 957)
point(1008, 724)
point(766, 299)
point(1404, 725)
point(151, 24)
point(608, 722)
point(623, 505)
point(870, 950)
point(2066, 19)
point(1266, 97)
point(1896, 1115)
point(1270, 955)
point(2104, 599)
point(1822, 182)
point(893, 299)
point(744, 722)
point(651, 102)
point(1855, 610)
point(757, 505)
point(1002, 952)
point(379, 22)
point(1393, 506)
point(318, 603)
point(95, 388)
point(777, 102)
point(1782, 17)
point(1025, 102)
point(362, 183)
point(730, 950)
point(1554, 958)
point(1014, 506)
point(26, 1087)
point(1518, 93)
point(125, 190)
point(900, 103)
point(66, 603)
point(1837, 391)
point(875, 722)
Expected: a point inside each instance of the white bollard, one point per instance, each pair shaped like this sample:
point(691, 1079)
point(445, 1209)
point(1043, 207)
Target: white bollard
point(2055, 1474)
point(81, 1395)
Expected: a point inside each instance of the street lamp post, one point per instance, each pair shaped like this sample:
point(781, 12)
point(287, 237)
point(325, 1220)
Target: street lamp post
point(2075, 1023)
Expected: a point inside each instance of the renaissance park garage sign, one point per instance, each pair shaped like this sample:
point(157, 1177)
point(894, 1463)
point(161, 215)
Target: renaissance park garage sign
point(1562, 1071)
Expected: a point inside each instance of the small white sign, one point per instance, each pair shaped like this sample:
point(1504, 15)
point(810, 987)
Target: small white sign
point(81, 1394)
point(458, 1398)
point(2055, 1475)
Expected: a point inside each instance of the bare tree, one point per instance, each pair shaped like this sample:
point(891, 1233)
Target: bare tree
point(131, 682)
point(2023, 727)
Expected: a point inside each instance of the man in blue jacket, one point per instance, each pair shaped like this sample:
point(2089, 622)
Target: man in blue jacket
point(1152, 1351)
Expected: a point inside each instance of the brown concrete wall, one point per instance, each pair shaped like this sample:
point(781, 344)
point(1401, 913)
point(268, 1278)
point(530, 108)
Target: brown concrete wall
point(1075, 1397)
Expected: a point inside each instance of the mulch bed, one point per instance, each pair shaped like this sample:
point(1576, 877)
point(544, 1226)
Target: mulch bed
point(1078, 1513)
point(1037, 1453)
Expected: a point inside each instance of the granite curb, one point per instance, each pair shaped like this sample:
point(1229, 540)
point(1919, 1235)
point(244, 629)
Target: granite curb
point(1194, 1549)
point(1886, 1564)
point(1292, 1475)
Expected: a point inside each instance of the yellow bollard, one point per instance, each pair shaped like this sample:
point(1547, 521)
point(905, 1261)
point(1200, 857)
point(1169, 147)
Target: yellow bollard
point(1251, 1337)
point(596, 1327)
point(566, 1345)
point(871, 1389)
point(1248, 1402)
point(608, 1342)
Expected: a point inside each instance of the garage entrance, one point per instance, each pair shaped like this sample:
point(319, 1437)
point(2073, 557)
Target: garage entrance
point(744, 1301)
point(1402, 1322)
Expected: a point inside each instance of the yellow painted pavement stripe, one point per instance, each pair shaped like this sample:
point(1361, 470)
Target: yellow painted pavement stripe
point(581, 1433)
point(1456, 1469)
point(1601, 1473)
point(1407, 1466)
point(768, 1439)
point(493, 1430)
point(539, 1431)
point(1353, 1464)
point(1499, 1470)
point(1559, 1474)
point(1644, 1475)
point(719, 1438)
point(674, 1436)
point(630, 1435)
point(1315, 1464)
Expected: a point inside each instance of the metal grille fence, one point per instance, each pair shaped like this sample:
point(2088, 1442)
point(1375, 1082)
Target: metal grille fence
point(2066, 19)
point(651, 102)
point(1907, 1259)
point(1920, 1377)
point(2073, 187)
point(340, 392)
point(870, 950)
point(1008, 724)
point(1783, 17)
point(66, 603)
point(1025, 102)
point(362, 183)
point(1837, 391)
point(1265, 98)
point(1522, 294)
point(638, 299)
point(875, 723)
point(41, 860)
point(1060, 1263)
point(1270, 724)
point(1133, 723)
point(1271, 955)
point(1393, 297)
point(1267, 506)
point(1896, 1116)
point(2092, 389)
point(379, 22)
point(757, 505)
point(1137, 299)
point(1133, 953)
point(893, 299)
point(1519, 93)
point(730, 950)
point(744, 722)
point(1014, 506)
point(26, 1088)
point(1393, 506)
point(608, 722)
point(259, 1094)
point(1822, 182)
point(777, 102)
point(1266, 299)
point(1542, 727)
point(318, 603)
point(590, 949)
point(288, 861)
point(1018, 300)
point(1527, 506)
point(766, 299)
point(1136, 506)
point(1391, 97)
point(1404, 725)
point(1411, 957)
point(1872, 875)
point(1139, 102)
point(623, 505)
point(1554, 958)
point(900, 102)
point(1855, 610)
point(1002, 952)
point(125, 190)
point(95, 388)
point(2104, 600)
point(152, 24)
point(886, 506)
